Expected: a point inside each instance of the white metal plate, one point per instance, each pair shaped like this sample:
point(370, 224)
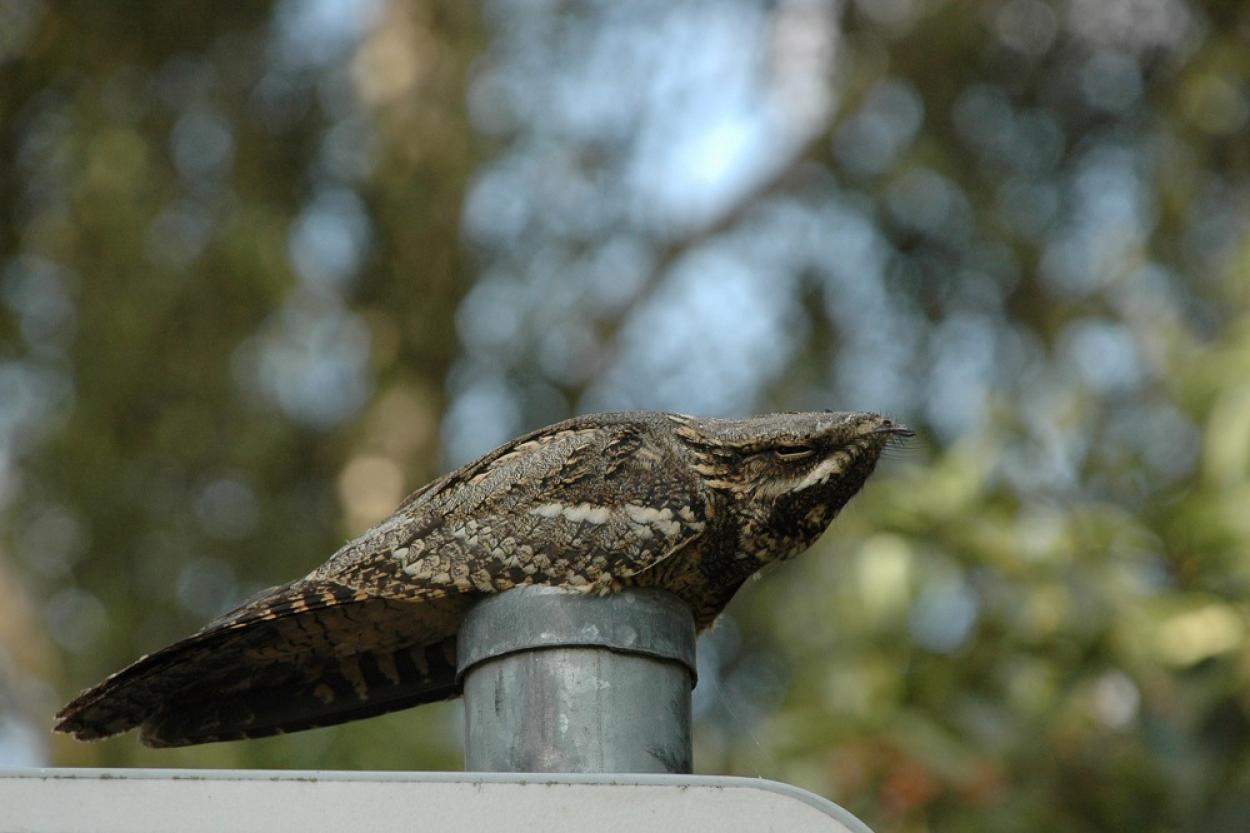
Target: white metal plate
point(200, 801)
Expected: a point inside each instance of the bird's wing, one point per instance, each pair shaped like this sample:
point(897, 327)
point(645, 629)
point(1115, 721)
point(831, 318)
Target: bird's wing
point(290, 660)
point(577, 507)
point(373, 629)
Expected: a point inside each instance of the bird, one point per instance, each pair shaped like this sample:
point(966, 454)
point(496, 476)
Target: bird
point(594, 504)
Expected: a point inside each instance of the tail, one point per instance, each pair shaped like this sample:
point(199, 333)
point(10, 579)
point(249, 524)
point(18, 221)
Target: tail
point(305, 655)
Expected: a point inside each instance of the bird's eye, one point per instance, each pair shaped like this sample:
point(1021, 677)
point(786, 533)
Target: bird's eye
point(790, 453)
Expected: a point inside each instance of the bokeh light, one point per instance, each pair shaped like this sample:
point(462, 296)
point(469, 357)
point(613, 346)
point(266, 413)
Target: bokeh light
point(265, 269)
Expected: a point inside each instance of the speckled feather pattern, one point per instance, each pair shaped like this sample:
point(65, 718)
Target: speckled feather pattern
point(593, 504)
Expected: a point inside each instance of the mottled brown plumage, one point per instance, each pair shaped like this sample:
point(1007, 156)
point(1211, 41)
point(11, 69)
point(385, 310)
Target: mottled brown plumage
point(592, 504)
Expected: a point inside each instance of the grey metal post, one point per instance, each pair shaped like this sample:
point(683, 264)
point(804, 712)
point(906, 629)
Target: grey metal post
point(564, 682)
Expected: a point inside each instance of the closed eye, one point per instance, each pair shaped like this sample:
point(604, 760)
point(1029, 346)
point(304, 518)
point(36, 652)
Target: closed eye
point(790, 453)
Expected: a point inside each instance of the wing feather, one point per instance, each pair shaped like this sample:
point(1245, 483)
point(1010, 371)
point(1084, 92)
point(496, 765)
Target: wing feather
point(273, 651)
point(586, 505)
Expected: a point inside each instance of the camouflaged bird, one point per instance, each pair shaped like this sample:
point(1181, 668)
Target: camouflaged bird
point(592, 504)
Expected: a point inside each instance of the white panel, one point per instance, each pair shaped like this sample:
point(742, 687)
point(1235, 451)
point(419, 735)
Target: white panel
point(200, 801)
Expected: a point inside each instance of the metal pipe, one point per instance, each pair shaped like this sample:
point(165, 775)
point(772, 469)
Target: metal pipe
point(565, 682)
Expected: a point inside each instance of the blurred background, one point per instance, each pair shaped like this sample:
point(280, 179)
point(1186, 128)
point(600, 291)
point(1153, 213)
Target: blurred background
point(266, 267)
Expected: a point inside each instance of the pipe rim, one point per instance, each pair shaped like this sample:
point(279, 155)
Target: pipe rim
point(644, 621)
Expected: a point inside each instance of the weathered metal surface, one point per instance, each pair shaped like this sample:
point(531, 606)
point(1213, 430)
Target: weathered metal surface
point(562, 682)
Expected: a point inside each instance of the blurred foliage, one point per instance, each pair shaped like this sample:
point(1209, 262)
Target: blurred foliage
point(264, 269)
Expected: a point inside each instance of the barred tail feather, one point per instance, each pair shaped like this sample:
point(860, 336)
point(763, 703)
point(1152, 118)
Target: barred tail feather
point(305, 655)
point(291, 699)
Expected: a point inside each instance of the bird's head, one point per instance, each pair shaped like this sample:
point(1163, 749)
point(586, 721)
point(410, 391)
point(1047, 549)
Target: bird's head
point(787, 475)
